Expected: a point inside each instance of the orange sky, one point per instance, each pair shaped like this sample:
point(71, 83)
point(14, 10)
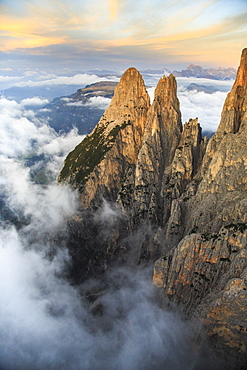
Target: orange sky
point(113, 32)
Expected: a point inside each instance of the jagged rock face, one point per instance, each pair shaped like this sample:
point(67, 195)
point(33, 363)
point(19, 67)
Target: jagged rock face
point(161, 137)
point(206, 275)
point(236, 102)
point(97, 165)
point(220, 196)
point(181, 197)
point(205, 272)
point(234, 111)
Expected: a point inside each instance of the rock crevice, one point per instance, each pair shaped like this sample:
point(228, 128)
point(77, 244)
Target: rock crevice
point(182, 200)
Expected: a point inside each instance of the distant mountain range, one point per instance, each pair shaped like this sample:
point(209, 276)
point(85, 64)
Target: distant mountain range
point(191, 71)
point(211, 73)
point(53, 90)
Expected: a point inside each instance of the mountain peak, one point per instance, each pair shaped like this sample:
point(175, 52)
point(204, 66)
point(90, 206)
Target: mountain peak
point(236, 102)
point(241, 79)
point(131, 87)
point(97, 165)
point(166, 92)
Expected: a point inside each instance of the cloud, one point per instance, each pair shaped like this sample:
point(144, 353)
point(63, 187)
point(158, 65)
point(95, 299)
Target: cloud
point(23, 135)
point(35, 102)
point(7, 81)
point(16, 130)
point(150, 91)
point(114, 8)
point(75, 103)
point(45, 324)
point(108, 216)
point(78, 79)
point(4, 79)
point(207, 107)
point(175, 31)
point(44, 321)
point(98, 102)
point(58, 148)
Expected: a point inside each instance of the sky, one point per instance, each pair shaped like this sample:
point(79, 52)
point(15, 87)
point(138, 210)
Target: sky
point(114, 34)
point(38, 307)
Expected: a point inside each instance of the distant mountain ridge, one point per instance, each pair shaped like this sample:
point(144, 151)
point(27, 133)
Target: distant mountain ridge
point(210, 73)
point(192, 70)
point(75, 110)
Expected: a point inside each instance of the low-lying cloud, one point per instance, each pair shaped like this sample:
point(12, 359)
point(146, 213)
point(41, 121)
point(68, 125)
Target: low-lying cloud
point(22, 134)
point(34, 102)
point(207, 107)
point(45, 323)
point(78, 79)
point(98, 102)
point(95, 102)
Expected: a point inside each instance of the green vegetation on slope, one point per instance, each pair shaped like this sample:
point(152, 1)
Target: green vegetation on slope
point(88, 154)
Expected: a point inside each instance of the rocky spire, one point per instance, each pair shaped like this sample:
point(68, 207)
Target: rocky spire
point(236, 102)
point(162, 132)
point(97, 165)
point(130, 90)
point(161, 137)
point(234, 113)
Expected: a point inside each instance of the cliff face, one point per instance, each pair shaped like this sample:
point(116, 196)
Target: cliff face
point(183, 202)
point(206, 276)
point(160, 139)
point(206, 272)
point(98, 164)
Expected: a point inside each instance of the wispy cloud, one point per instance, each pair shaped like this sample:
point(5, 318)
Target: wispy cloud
point(78, 79)
point(175, 28)
point(114, 8)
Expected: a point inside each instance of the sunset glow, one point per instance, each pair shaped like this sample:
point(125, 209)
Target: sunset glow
point(119, 33)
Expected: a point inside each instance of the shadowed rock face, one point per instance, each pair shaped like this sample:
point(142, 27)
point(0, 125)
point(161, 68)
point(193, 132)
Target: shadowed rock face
point(178, 199)
point(206, 272)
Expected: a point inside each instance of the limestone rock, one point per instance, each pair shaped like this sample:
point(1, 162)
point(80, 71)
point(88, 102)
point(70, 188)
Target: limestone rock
point(234, 111)
point(236, 102)
point(206, 275)
point(161, 137)
point(205, 272)
point(181, 197)
point(97, 165)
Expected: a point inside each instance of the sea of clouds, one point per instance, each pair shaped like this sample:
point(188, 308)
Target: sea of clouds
point(44, 321)
point(207, 107)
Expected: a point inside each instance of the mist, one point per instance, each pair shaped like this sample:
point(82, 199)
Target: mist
point(45, 322)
